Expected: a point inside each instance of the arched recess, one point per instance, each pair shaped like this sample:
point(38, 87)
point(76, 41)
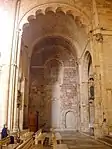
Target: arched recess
point(55, 7)
point(72, 12)
point(53, 70)
point(70, 120)
point(69, 38)
point(87, 99)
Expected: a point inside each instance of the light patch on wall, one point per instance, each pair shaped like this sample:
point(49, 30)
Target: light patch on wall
point(6, 27)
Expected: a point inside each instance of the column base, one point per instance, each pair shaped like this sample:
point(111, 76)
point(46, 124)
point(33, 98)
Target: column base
point(98, 131)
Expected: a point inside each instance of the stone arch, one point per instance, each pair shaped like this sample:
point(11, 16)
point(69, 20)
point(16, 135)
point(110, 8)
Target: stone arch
point(55, 11)
point(30, 16)
point(49, 9)
point(43, 8)
point(60, 61)
point(88, 87)
point(70, 13)
point(64, 119)
point(55, 102)
point(69, 119)
point(73, 46)
point(38, 12)
point(60, 10)
point(87, 61)
point(67, 11)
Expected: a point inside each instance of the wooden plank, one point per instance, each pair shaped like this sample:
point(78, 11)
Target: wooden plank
point(28, 144)
point(5, 141)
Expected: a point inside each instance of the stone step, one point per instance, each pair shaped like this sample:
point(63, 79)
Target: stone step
point(109, 136)
point(106, 140)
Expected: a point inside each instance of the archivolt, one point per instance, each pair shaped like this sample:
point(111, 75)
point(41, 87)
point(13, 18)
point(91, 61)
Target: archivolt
point(72, 11)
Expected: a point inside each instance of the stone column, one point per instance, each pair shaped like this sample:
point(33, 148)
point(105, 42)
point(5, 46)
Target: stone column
point(3, 95)
point(26, 103)
point(108, 110)
point(55, 113)
point(15, 93)
point(84, 108)
point(55, 105)
point(6, 30)
point(23, 88)
point(14, 9)
point(98, 81)
point(97, 47)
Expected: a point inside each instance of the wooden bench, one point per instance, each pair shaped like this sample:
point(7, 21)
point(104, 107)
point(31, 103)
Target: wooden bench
point(21, 133)
point(28, 144)
point(38, 133)
point(58, 138)
point(12, 146)
point(5, 142)
point(26, 136)
point(39, 137)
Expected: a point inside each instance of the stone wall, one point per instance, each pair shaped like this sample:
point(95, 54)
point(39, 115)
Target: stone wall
point(53, 91)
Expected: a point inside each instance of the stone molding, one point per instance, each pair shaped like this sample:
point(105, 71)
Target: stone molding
point(74, 11)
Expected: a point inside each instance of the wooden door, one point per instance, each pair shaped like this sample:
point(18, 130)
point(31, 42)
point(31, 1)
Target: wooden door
point(33, 121)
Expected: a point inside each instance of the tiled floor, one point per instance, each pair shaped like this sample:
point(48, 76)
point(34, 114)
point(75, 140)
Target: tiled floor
point(80, 141)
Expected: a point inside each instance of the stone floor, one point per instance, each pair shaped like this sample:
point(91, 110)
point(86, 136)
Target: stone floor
point(80, 141)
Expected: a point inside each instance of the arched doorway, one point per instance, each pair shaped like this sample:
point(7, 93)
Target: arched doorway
point(89, 88)
point(70, 120)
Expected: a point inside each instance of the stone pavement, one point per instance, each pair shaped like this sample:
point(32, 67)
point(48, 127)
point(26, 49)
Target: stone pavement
point(80, 141)
point(76, 140)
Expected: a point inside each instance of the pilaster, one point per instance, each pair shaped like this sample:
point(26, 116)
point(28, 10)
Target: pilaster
point(15, 92)
point(97, 46)
point(6, 29)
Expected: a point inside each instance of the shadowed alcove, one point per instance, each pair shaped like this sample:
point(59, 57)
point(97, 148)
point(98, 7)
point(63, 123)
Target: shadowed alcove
point(53, 82)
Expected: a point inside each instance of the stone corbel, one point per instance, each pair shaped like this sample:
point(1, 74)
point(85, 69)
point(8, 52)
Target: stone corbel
point(99, 37)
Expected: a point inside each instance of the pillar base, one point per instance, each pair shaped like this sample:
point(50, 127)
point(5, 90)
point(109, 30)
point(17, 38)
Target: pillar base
point(98, 132)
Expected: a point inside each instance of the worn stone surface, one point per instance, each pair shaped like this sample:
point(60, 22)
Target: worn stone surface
point(80, 141)
point(57, 80)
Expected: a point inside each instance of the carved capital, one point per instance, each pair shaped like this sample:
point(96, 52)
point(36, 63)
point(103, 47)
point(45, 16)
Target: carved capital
point(99, 37)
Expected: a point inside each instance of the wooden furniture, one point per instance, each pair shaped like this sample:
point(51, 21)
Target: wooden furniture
point(5, 142)
point(39, 137)
point(58, 138)
point(27, 144)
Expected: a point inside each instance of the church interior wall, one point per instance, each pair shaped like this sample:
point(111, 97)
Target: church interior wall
point(77, 31)
point(54, 82)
